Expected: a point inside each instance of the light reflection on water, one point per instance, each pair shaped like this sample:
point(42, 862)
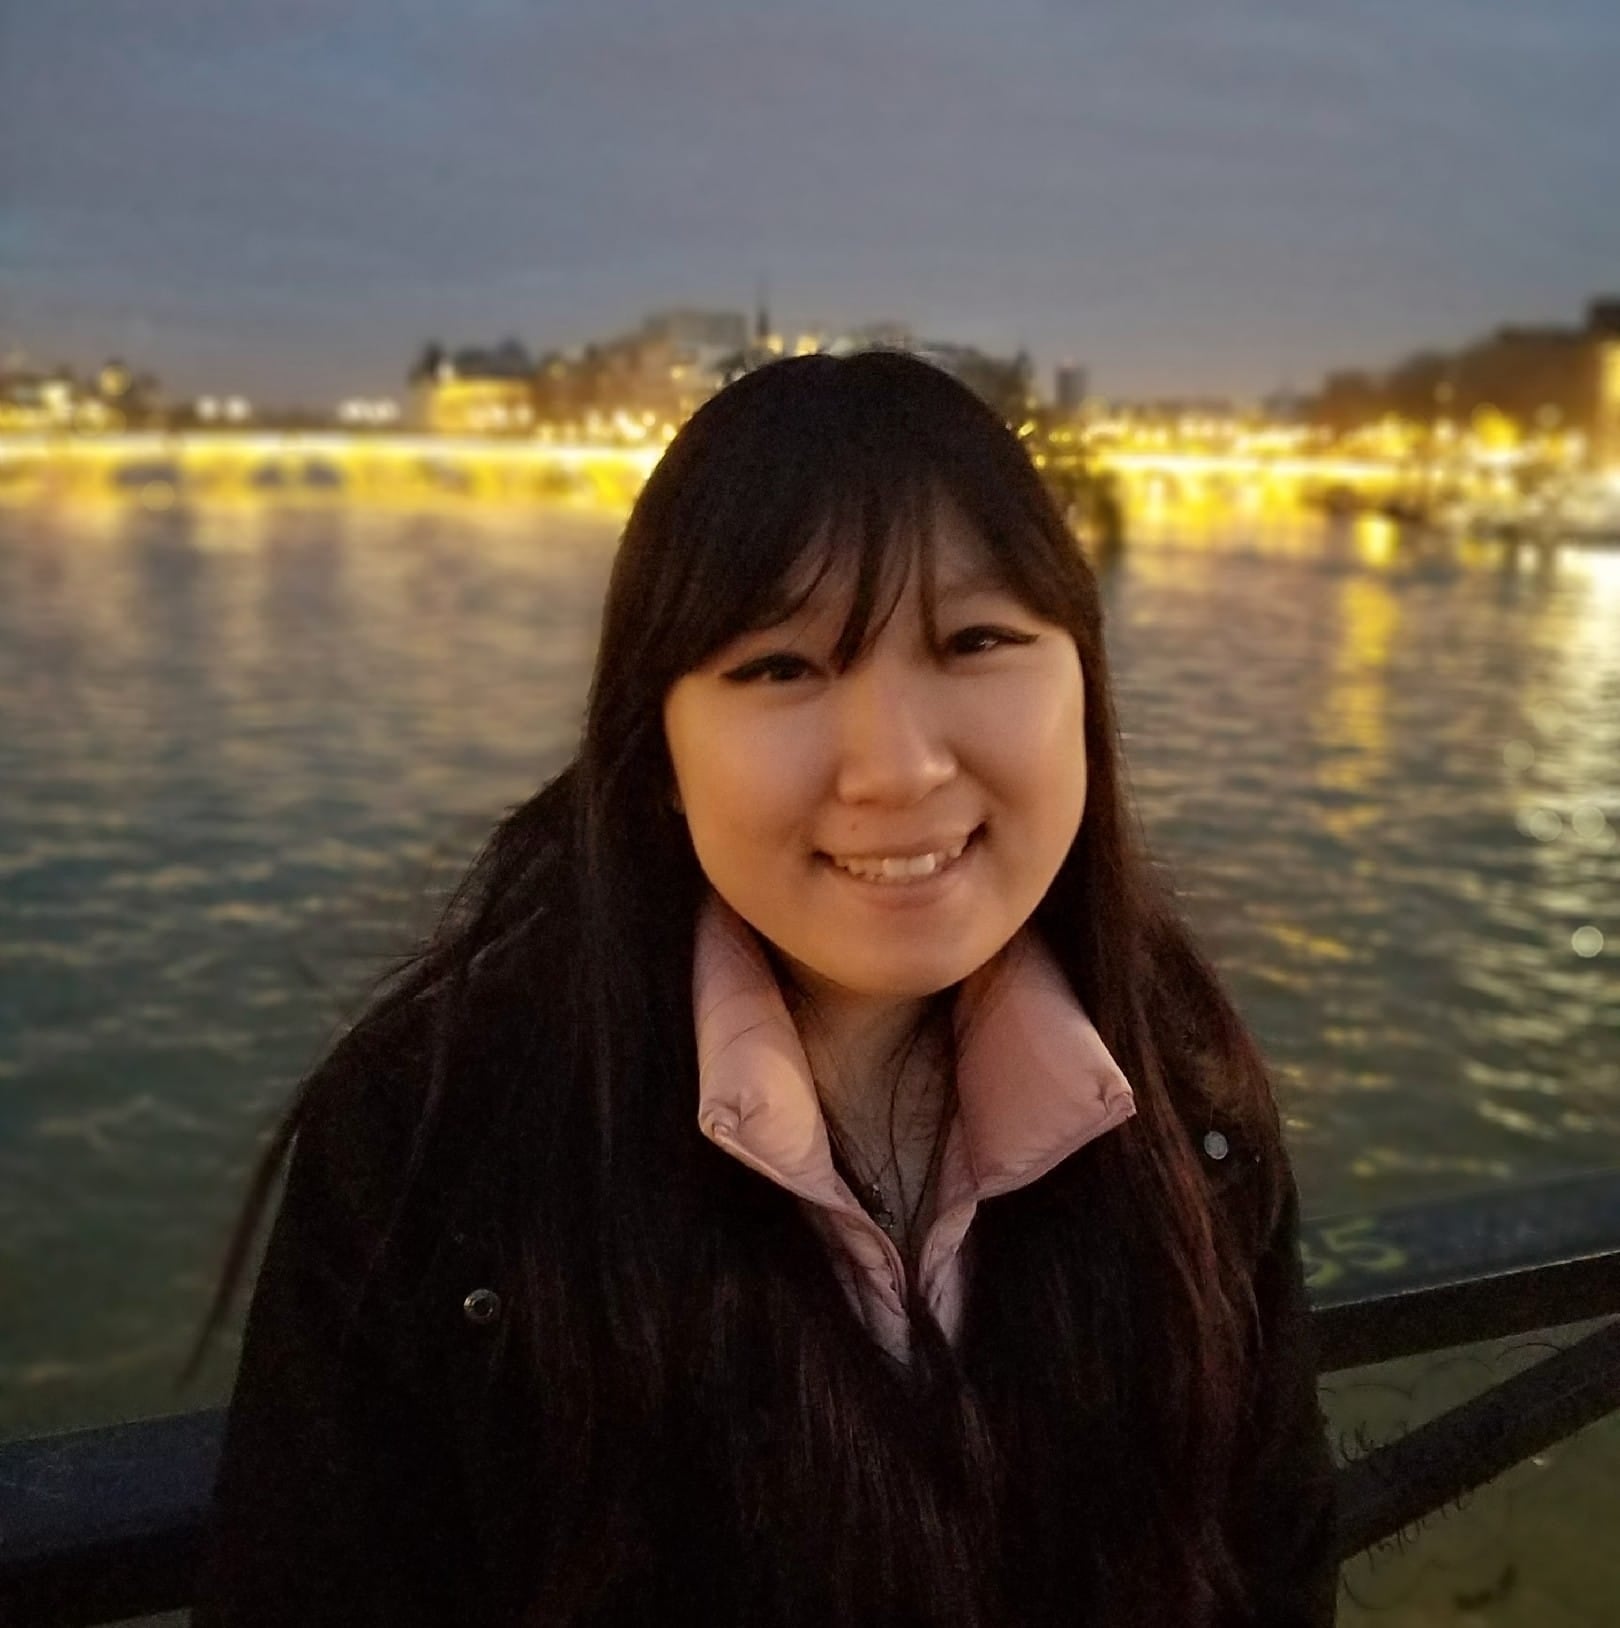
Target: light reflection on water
point(1385, 776)
point(1338, 737)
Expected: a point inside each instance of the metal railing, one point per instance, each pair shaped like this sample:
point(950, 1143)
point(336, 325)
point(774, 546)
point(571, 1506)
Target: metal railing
point(101, 1525)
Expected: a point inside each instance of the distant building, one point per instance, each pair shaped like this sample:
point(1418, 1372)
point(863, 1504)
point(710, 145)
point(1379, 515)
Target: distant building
point(1539, 378)
point(56, 399)
point(35, 400)
point(1285, 406)
point(1347, 400)
point(1069, 387)
point(693, 329)
point(474, 392)
point(641, 385)
point(635, 385)
point(1005, 382)
point(765, 338)
point(882, 336)
point(363, 412)
point(1603, 323)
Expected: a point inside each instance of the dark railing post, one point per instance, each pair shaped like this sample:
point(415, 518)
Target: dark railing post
point(1442, 1460)
point(101, 1525)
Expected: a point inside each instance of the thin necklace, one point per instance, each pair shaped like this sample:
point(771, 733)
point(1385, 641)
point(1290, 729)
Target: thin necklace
point(869, 1193)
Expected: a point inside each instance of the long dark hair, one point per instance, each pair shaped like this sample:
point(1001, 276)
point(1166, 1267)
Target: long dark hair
point(707, 1394)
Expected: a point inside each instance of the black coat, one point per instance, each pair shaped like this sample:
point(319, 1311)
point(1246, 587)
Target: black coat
point(380, 1469)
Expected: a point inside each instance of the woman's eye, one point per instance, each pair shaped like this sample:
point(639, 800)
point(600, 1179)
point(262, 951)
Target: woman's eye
point(779, 668)
point(971, 641)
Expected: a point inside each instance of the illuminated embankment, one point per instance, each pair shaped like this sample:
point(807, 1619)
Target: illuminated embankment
point(157, 467)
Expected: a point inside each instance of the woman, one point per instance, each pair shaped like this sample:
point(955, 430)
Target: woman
point(810, 1177)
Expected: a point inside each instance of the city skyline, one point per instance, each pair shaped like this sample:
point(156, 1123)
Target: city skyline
point(291, 205)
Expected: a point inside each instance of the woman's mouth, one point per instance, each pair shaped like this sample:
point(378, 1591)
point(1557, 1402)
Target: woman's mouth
point(901, 870)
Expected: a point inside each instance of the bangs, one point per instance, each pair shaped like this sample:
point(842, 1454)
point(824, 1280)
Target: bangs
point(863, 546)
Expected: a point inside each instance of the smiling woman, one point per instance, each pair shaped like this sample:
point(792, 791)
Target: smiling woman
point(810, 1177)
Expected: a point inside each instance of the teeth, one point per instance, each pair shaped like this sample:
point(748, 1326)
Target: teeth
point(900, 870)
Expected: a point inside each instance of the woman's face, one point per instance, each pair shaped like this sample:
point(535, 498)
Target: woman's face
point(891, 827)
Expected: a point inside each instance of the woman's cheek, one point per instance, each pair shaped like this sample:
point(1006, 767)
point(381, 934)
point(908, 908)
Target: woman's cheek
point(1015, 725)
point(773, 766)
point(1032, 747)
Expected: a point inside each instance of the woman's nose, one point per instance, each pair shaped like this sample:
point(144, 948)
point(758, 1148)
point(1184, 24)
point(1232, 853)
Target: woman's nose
point(893, 738)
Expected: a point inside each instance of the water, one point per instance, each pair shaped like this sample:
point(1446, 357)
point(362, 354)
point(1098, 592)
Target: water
point(1384, 775)
point(1387, 775)
point(230, 744)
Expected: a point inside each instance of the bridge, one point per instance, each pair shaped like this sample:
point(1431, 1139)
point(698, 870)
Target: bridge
point(1297, 471)
point(160, 468)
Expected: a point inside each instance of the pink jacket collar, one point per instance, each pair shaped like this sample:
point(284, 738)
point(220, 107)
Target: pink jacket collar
point(1035, 1083)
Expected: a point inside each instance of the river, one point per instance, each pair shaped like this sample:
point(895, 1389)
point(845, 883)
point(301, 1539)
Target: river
point(241, 747)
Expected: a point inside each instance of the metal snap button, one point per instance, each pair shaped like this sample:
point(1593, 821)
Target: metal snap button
point(1216, 1145)
point(481, 1306)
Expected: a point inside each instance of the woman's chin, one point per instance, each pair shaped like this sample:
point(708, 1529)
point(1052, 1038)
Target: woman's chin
point(914, 973)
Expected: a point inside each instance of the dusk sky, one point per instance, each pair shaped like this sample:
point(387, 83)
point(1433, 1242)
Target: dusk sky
point(288, 198)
